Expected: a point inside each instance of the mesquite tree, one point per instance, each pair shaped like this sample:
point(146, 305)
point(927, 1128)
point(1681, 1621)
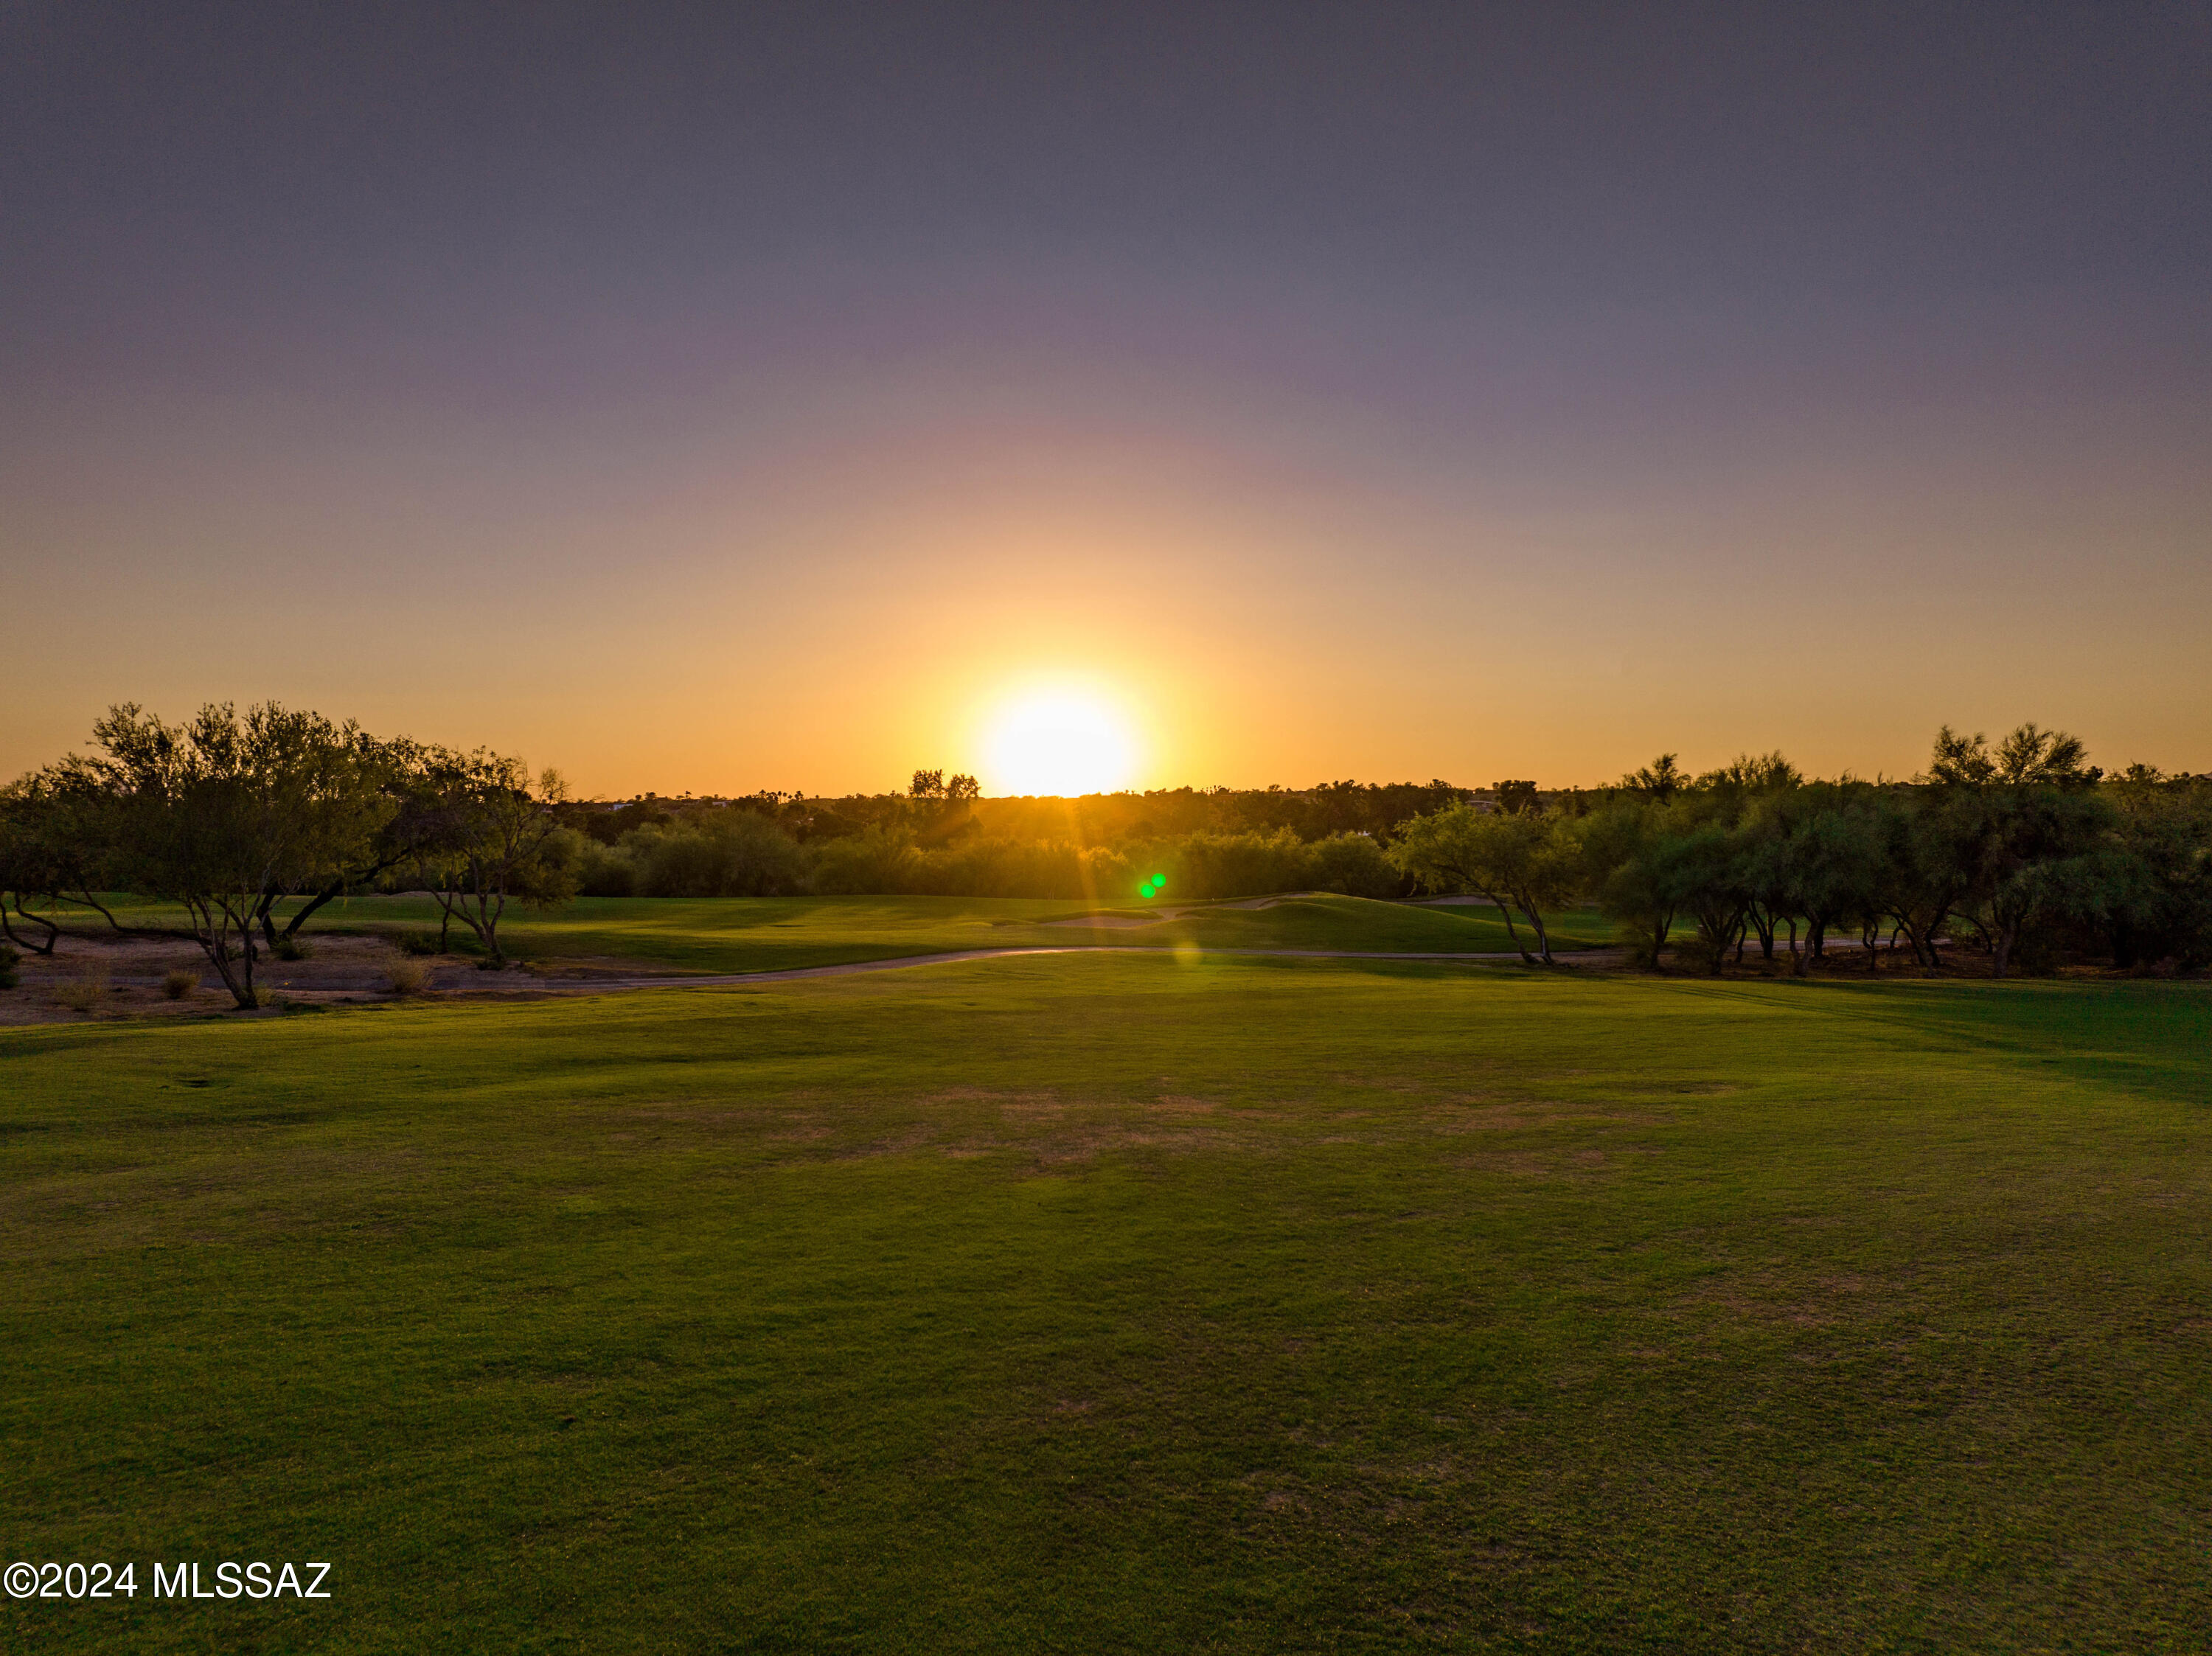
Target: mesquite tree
point(223, 814)
point(488, 838)
point(1514, 859)
point(40, 860)
point(401, 771)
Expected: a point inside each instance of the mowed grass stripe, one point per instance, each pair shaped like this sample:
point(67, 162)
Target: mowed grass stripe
point(1107, 1304)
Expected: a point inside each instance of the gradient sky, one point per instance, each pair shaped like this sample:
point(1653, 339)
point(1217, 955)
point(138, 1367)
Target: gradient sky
point(733, 396)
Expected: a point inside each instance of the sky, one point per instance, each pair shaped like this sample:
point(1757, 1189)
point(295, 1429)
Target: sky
point(718, 398)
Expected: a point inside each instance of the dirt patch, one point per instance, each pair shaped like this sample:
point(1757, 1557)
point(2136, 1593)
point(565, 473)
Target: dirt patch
point(1174, 1104)
point(1044, 1131)
point(1775, 1300)
point(1039, 1132)
point(1453, 1118)
point(590, 968)
point(90, 979)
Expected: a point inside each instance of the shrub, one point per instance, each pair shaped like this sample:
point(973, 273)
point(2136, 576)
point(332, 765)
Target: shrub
point(1020, 868)
point(9, 962)
point(1355, 865)
point(734, 853)
point(880, 862)
point(604, 871)
point(1702, 951)
point(873, 862)
point(1639, 941)
point(417, 943)
point(408, 976)
point(85, 991)
point(179, 983)
point(288, 947)
point(1234, 864)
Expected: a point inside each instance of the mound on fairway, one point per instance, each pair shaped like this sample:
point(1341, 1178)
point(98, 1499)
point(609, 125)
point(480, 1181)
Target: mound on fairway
point(1118, 1302)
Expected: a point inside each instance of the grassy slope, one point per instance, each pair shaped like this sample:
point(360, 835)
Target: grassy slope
point(765, 934)
point(1121, 1303)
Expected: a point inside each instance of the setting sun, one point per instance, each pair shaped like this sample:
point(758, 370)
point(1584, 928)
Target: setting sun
point(1059, 743)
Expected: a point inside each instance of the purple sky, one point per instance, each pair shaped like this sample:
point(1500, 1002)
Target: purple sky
point(744, 396)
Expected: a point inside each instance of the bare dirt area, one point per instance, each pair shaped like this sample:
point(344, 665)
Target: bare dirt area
point(89, 979)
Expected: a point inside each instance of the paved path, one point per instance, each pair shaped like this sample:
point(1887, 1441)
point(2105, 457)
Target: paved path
point(471, 984)
point(718, 980)
point(591, 986)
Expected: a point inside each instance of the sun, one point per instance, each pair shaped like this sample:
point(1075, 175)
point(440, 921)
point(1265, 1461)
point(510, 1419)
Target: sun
point(1061, 743)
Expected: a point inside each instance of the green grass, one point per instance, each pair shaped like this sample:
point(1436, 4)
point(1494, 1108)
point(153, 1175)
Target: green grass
point(773, 933)
point(1128, 1303)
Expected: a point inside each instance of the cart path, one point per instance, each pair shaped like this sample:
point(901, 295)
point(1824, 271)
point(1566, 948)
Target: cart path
point(725, 980)
point(1601, 957)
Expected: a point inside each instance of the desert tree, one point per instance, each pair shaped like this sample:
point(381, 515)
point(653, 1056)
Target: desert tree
point(1999, 837)
point(43, 858)
point(1660, 780)
point(1515, 796)
point(1512, 860)
point(939, 805)
point(59, 846)
point(1623, 865)
point(1765, 867)
point(27, 872)
point(1733, 797)
point(2030, 757)
point(2041, 860)
point(490, 834)
point(1700, 869)
point(1818, 859)
point(222, 813)
point(395, 770)
point(2156, 902)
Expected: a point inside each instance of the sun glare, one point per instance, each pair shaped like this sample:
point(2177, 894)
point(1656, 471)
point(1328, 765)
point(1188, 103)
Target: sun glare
point(1064, 744)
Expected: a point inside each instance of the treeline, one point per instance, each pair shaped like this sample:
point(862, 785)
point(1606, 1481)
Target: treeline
point(741, 853)
point(2020, 853)
point(934, 808)
point(938, 837)
point(250, 824)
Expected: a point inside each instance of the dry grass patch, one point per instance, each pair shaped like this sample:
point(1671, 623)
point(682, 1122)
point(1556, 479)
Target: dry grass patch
point(1461, 1116)
point(87, 989)
point(1771, 1299)
point(407, 974)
